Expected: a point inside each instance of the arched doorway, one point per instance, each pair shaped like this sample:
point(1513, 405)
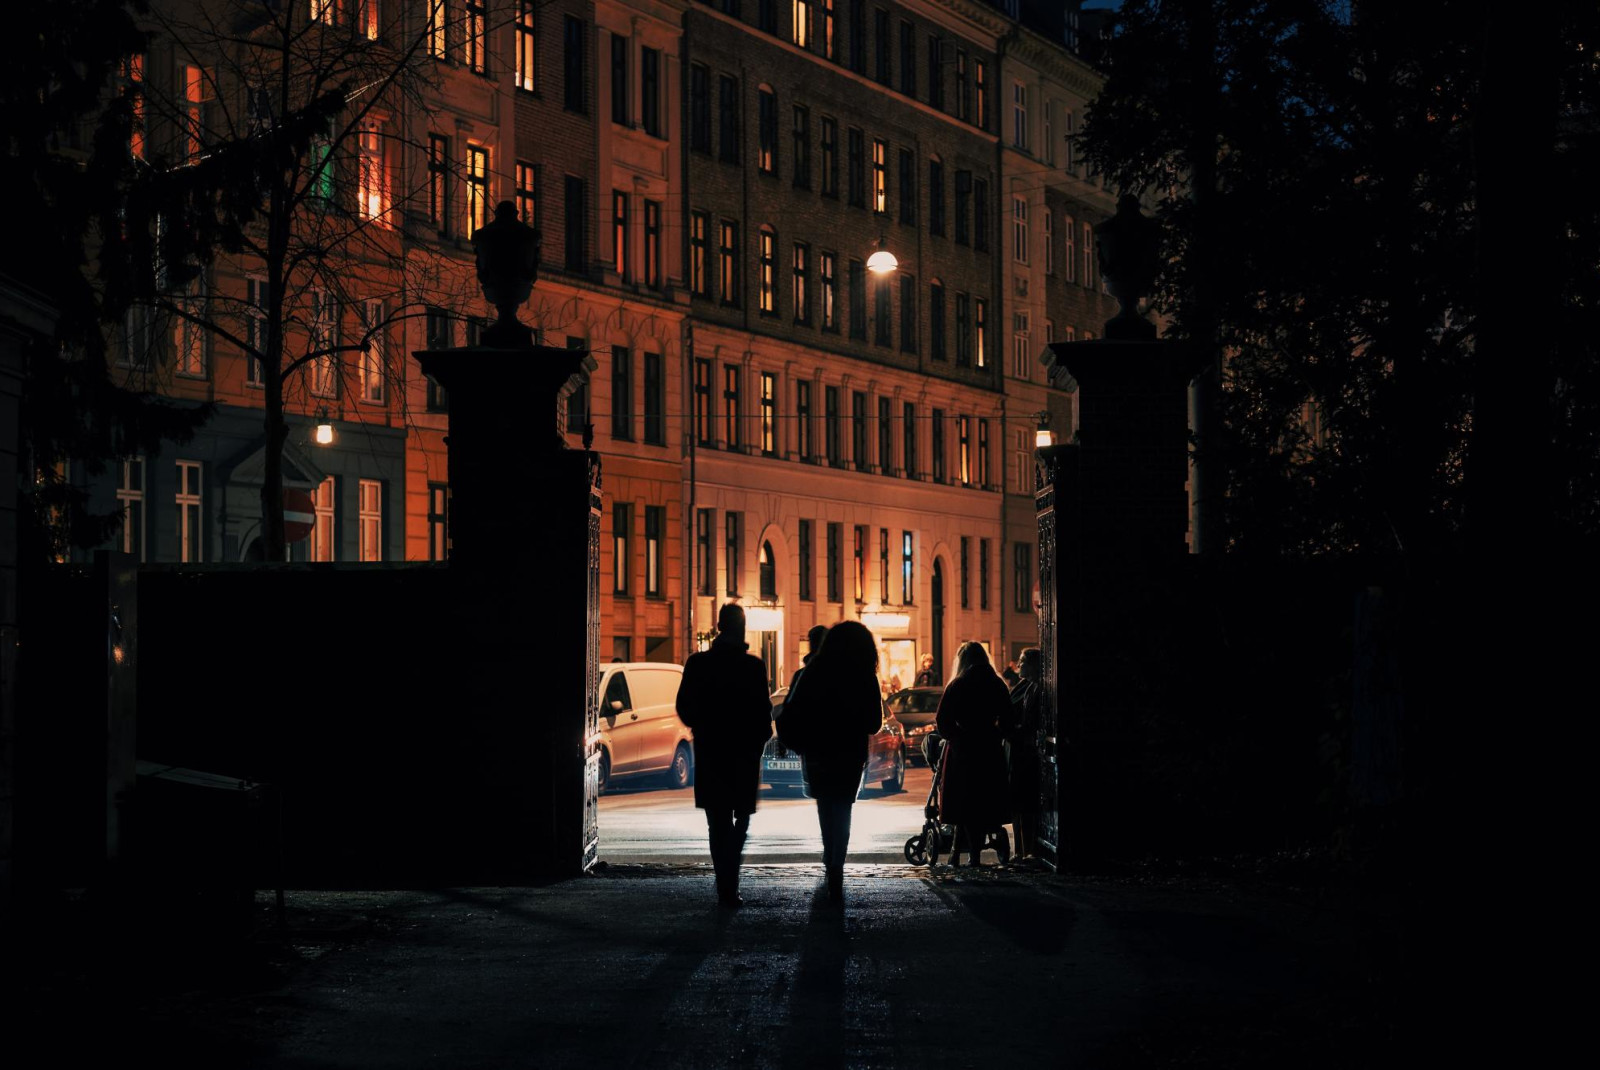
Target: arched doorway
point(938, 619)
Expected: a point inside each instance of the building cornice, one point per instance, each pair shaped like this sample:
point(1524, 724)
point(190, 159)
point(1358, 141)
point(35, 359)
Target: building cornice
point(1054, 60)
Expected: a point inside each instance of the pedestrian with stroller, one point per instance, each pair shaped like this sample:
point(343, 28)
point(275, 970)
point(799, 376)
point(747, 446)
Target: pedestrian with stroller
point(971, 720)
point(829, 717)
point(723, 700)
point(1022, 749)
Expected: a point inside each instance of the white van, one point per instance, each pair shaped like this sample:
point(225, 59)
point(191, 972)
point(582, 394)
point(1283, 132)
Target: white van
point(639, 728)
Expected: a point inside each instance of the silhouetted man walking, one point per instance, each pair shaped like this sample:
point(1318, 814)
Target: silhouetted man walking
point(723, 699)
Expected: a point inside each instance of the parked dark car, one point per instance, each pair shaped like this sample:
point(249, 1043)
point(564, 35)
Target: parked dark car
point(915, 709)
point(886, 755)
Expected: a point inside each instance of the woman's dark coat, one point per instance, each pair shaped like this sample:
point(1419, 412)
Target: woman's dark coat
point(1022, 746)
point(840, 717)
point(972, 718)
point(723, 700)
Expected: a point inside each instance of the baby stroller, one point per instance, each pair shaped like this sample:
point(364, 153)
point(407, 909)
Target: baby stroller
point(936, 839)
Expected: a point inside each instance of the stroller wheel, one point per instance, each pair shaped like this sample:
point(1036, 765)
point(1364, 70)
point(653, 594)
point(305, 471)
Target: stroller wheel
point(1002, 846)
point(916, 851)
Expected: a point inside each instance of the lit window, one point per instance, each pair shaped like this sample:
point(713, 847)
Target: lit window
point(621, 540)
point(729, 263)
point(324, 499)
point(880, 176)
point(323, 337)
point(908, 580)
point(655, 525)
point(197, 87)
point(255, 328)
point(802, 293)
point(527, 46)
point(130, 500)
point(373, 356)
point(438, 521)
point(802, 23)
point(188, 337)
point(438, 39)
point(732, 407)
point(528, 194)
point(477, 26)
point(830, 320)
point(188, 501)
point(767, 296)
point(699, 280)
point(1021, 461)
point(652, 244)
point(980, 310)
point(477, 188)
point(439, 182)
point(374, 175)
point(367, 19)
point(326, 11)
point(769, 414)
point(133, 89)
point(620, 259)
point(370, 520)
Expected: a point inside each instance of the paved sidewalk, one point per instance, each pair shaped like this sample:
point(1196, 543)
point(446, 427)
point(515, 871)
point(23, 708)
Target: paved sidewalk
point(637, 967)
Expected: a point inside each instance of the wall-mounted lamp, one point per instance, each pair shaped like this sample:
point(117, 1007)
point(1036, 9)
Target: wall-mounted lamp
point(883, 261)
point(323, 434)
point(1042, 435)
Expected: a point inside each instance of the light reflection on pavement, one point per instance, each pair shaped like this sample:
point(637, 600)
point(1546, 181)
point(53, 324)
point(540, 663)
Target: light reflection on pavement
point(646, 823)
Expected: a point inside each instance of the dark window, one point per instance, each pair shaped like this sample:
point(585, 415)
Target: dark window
point(908, 433)
point(728, 118)
point(963, 331)
point(835, 550)
point(858, 36)
point(936, 198)
point(699, 108)
point(699, 251)
point(830, 425)
point(806, 570)
point(937, 443)
point(908, 186)
point(880, 40)
point(963, 204)
point(619, 79)
point(981, 117)
point(704, 521)
point(830, 157)
point(883, 565)
point(983, 573)
point(908, 579)
point(936, 322)
point(858, 430)
point(908, 313)
point(573, 45)
point(655, 527)
point(767, 574)
point(621, 393)
point(655, 401)
point(885, 439)
point(705, 433)
point(439, 182)
point(769, 414)
point(859, 572)
point(802, 291)
point(732, 406)
point(730, 556)
point(767, 16)
point(802, 419)
point(767, 158)
point(528, 194)
point(576, 258)
point(858, 302)
point(578, 402)
point(980, 215)
point(802, 148)
point(857, 169)
point(983, 454)
point(883, 330)
point(963, 87)
point(650, 91)
point(936, 72)
point(652, 244)
point(908, 59)
point(966, 572)
point(1022, 577)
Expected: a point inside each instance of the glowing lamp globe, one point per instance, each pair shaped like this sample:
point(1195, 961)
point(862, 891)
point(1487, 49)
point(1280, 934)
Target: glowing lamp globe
point(882, 262)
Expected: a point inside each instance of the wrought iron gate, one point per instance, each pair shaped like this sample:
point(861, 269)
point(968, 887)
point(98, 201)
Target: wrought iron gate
point(591, 708)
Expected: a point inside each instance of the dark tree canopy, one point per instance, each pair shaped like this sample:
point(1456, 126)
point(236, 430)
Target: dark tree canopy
point(1335, 257)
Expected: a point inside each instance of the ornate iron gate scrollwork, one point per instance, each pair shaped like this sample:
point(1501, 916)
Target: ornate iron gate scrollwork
point(591, 708)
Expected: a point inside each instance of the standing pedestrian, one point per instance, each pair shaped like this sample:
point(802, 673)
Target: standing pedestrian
point(927, 677)
point(839, 708)
point(723, 700)
point(814, 640)
point(1022, 750)
point(972, 714)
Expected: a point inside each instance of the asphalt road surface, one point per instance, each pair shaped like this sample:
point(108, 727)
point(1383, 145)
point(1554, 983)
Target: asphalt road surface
point(647, 823)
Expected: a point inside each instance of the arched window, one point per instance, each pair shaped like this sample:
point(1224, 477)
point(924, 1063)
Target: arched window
point(769, 574)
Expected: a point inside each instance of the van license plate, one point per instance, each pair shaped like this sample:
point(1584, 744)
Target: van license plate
point(779, 763)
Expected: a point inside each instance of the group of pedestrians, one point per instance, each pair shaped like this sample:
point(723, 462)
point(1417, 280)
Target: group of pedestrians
point(833, 709)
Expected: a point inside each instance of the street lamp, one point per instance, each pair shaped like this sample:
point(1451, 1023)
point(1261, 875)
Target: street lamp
point(883, 261)
point(1043, 437)
point(323, 434)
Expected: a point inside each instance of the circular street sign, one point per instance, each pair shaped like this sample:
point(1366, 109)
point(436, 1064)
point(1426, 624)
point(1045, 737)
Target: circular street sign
point(299, 514)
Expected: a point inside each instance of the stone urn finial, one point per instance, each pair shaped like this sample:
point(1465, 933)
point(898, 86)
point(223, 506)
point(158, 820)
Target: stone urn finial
point(508, 263)
point(1129, 253)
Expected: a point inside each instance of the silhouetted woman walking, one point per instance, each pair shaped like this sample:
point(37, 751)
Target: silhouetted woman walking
point(972, 717)
point(835, 709)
